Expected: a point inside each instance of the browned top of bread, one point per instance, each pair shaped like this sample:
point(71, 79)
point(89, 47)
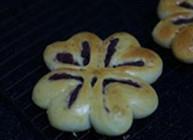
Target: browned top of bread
point(169, 7)
point(120, 50)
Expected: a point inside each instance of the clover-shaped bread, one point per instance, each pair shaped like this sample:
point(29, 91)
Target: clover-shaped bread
point(104, 84)
point(175, 30)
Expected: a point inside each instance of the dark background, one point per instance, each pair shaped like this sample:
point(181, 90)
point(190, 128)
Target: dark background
point(26, 28)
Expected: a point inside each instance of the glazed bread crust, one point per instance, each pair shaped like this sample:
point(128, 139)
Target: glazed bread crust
point(182, 46)
point(169, 7)
point(167, 29)
point(175, 28)
point(128, 50)
point(98, 83)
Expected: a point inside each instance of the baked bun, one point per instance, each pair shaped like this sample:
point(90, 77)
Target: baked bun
point(173, 31)
point(104, 84)
point(182, 45)
point(73, 53)
point(170, 7)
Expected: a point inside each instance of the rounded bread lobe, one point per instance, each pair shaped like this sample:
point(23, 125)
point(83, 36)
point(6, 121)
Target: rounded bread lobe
point(80, 50)
point(64, 93)
point(182, 45)
point(139, 62)
point(124, 98)
point(134, 90)
point(73, 117)
point(170, 7)
point(131, 58)
point(105, 119)
point(52, 85)
point(117, 42)
point(166, 30)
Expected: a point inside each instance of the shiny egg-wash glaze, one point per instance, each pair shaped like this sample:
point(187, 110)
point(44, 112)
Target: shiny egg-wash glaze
point(175, 28)
point(105, 86)
point(167, 29)
point(169, 7)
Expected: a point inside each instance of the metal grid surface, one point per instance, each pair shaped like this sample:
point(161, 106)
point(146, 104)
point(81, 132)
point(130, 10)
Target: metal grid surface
point(26, 32)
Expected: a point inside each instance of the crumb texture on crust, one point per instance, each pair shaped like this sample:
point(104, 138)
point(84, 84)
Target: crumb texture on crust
point(100, 83)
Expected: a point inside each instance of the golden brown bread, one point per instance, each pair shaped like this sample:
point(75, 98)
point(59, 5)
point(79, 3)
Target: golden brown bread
point(98, 83)
point(174, 29)
point(170, 7)
point(166, 30)
point(182, 45)
point(72, 46)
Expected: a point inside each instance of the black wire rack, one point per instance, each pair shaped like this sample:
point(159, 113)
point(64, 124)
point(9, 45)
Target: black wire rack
point(27, 29)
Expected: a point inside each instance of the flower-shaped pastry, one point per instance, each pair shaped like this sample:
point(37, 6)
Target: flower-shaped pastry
point(175, 30)
point(167, 29)
point(98, 83)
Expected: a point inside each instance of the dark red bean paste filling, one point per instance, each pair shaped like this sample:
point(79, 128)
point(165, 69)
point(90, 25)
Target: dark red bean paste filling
point(182, 20)
point(85, 53)
point(139, 63)
point(105, 106)
point(109, 81)
point(128, 82)
point(107, 109)
point(75, 92)
point(74, 95)
point(61, 76)
point(94, 80)
point(66, 58)
point(186, 5)
point(111, 50)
